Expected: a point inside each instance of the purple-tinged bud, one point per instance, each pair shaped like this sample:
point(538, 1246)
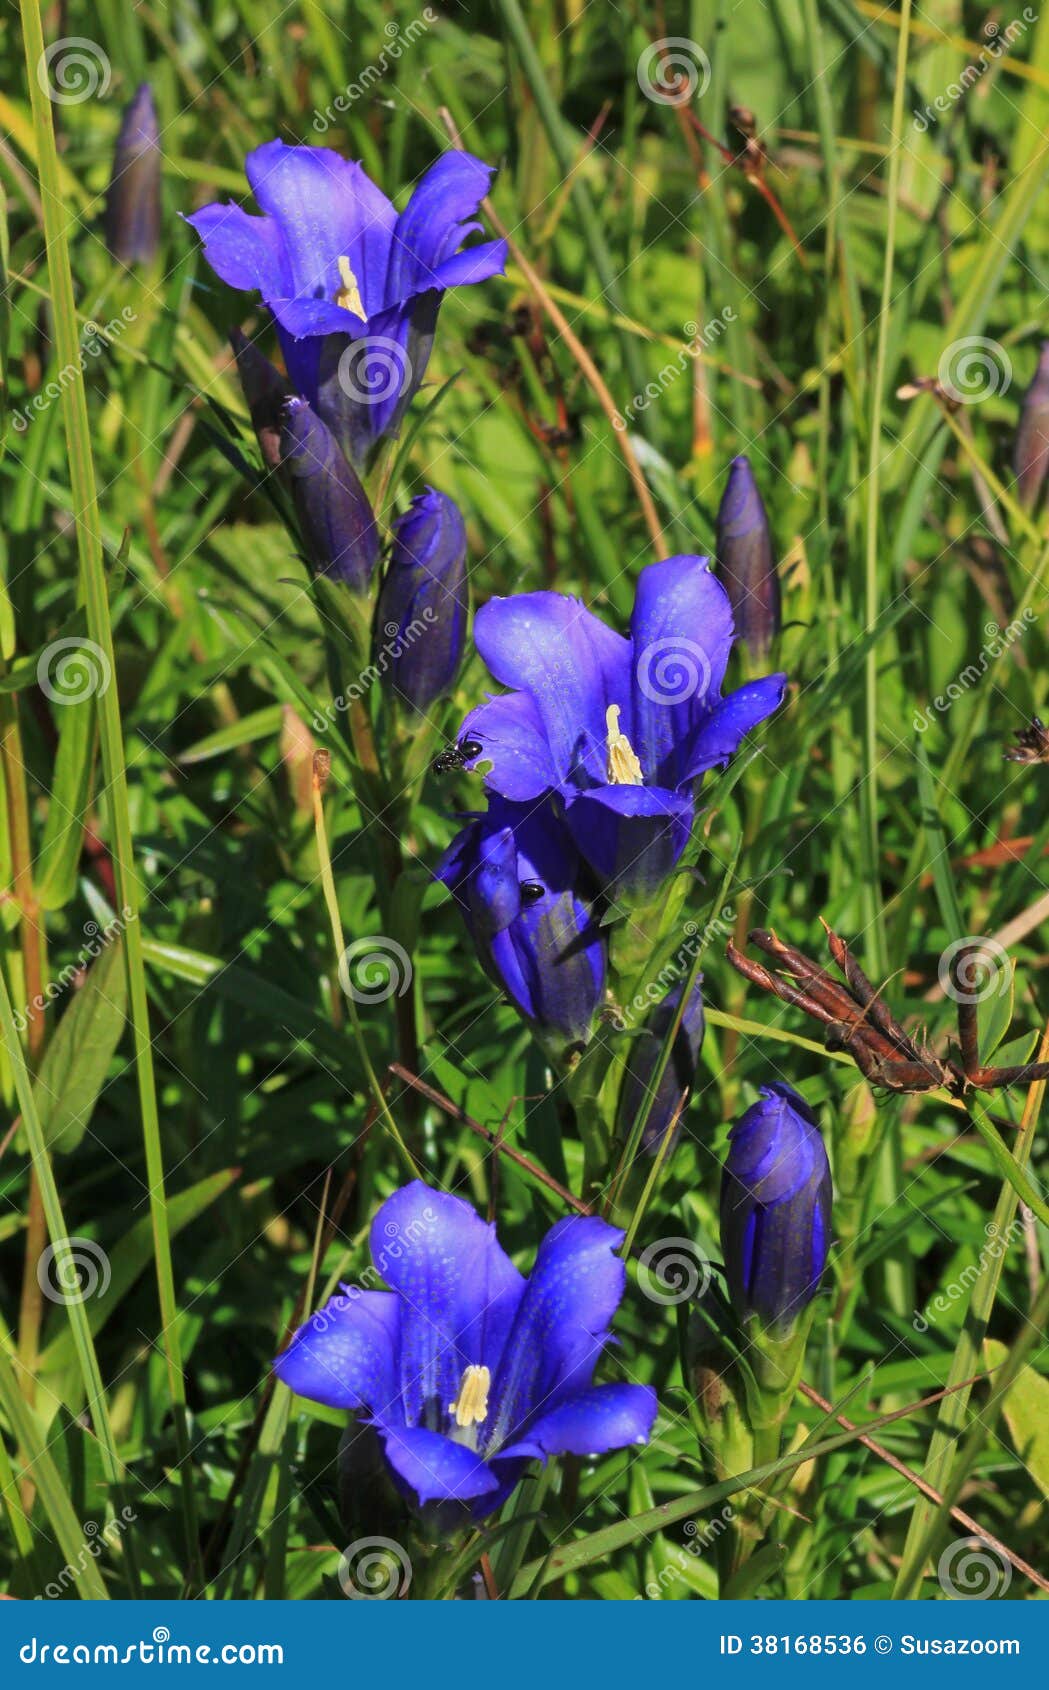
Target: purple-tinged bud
point(1031, 452)
point(775, 1210)
point(337, 523)
point(642, 1057)
point(133, 202)
point(265, 392)
point(746, 563)
point(422, 607)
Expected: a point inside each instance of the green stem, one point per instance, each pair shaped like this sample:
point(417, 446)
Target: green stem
point(93, 587)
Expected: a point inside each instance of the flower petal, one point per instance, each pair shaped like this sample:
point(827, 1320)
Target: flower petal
point(246, 252)
point(603, 1418)
point(632, 836)
point(345, 1355)
point(327, 208)
point(510, 730)
point(473, 264)
point(718, 737)
point(561, 1324)
point(573, 665)
point(431, 227)
point(681, 631)
point(434, 1467)
point(458, 1288)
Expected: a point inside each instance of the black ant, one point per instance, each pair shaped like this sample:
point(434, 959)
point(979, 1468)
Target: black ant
point(456, 756)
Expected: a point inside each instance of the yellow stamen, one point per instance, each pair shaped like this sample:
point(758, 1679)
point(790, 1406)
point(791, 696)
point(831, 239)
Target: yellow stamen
point(623, 766)
point(471, 1407)
point(349, 294)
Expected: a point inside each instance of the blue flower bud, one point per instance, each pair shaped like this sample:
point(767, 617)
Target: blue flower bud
point(338, 527)
point(642, 1057)
point(521, 886)
point(133, 202)
point(1031, 451)
point(265, 391)
point(745, 560)
point(423, 602)
point(775, 1209)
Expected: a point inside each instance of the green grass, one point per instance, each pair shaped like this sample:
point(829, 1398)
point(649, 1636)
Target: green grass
point(233, 1125)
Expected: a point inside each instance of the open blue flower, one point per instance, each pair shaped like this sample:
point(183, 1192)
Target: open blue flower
point(353, 284)
point(621, 729)
point(466, 1370)
point(518, 879)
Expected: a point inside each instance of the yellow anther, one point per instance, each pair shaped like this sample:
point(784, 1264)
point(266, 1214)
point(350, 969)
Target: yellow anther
point(623, 766)
point(471, 1407)
point(349, 294)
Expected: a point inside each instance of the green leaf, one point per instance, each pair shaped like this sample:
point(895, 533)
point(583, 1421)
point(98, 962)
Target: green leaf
point(260, 724)
point(77, 1060)
point(1026, 1415)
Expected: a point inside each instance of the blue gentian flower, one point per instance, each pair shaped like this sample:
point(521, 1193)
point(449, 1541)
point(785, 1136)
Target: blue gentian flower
point(421, 615)
point(353, 284)
point(133, 201)
point(1031, 448)
point(620, 729)
point(523, 891)
point(775, 1209)
point(265, 393)
point(642, 1056)
point(466, 1370)
point(338, 526)
point(746, 561)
